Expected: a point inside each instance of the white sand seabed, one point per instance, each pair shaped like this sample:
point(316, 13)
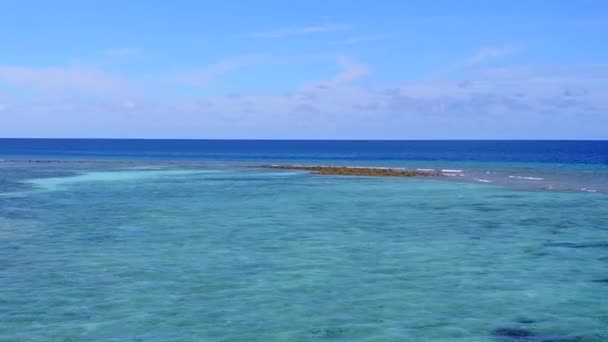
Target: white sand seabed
point(56, 183)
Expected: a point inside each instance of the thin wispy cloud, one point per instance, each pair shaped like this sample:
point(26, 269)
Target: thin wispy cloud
point(108, 57)
point(300, 31)
point(491, 53)
point(208, 74)
point(351, 70)
point(359, 40)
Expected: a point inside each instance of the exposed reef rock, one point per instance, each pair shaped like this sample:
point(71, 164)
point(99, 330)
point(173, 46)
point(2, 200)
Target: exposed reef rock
point(353, 171)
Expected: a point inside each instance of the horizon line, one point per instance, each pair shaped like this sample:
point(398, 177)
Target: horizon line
point(301, 139)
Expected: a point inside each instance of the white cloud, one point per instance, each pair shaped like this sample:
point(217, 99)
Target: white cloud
point(491, 53)
point(80, 79)
point(483, 94)
point(514, 95)
point(300, 31)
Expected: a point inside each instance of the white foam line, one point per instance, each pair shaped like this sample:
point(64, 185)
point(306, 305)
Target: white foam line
point(527, 178)
point(451, 171)
point(427, 170)
point(483, 180)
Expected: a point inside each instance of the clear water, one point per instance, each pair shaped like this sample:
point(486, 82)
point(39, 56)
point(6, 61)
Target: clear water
point(136, 250)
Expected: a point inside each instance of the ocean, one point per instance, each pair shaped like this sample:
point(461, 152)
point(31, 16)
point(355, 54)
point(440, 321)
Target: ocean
point(188, 240)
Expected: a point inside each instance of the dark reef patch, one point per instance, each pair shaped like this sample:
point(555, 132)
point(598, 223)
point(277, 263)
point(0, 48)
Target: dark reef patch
point(505, 334)
point(605, 280)
point(601, 244)
point(486, 209)
point(525, 320)
point(328, 332)
point(352, 171)
point(515, 334)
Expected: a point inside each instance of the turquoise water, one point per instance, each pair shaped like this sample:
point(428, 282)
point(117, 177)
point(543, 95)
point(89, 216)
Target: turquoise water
point(197, 252)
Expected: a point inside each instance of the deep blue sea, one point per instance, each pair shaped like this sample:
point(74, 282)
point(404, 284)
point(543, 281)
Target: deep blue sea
point(592, 152)
point(187, 240)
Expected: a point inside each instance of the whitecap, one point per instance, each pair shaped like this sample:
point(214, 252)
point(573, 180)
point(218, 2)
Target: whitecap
point(451, 171)
point(483, 180)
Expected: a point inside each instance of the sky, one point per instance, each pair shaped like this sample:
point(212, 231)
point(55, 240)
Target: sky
point(311, 69)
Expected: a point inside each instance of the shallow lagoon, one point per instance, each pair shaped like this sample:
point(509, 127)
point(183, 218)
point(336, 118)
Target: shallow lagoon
point(117, 253)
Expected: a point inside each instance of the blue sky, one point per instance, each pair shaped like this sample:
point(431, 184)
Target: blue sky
point(304, 69)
